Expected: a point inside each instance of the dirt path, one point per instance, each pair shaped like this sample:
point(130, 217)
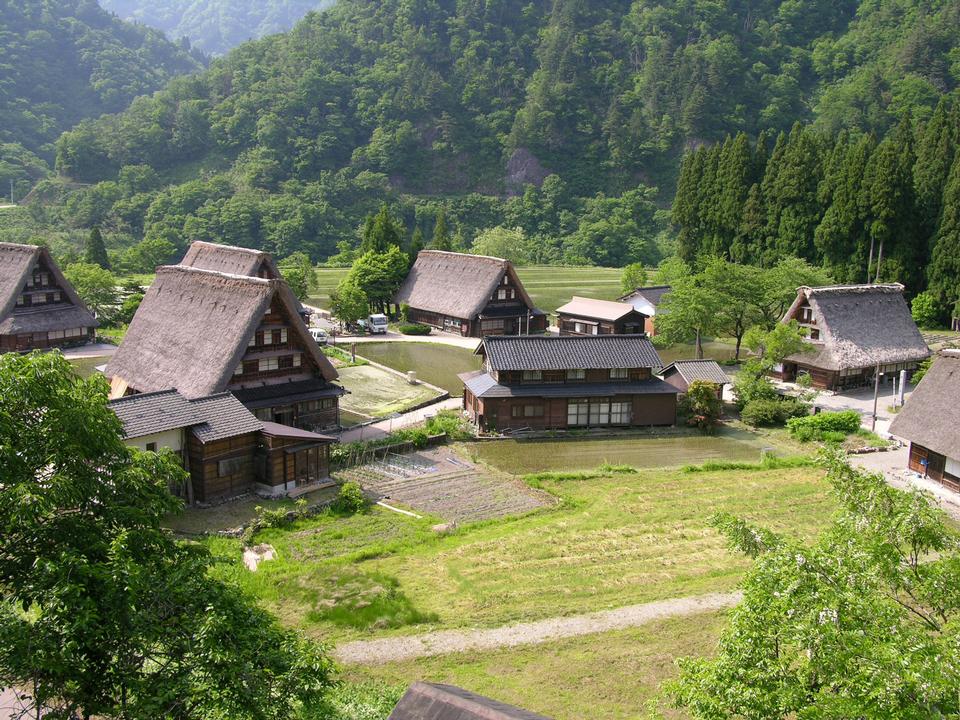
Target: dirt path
point(376, 652)
point(385, 427)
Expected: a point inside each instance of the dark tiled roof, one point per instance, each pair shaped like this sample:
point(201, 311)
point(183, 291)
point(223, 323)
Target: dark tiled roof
point(931, 417)
point(155, 412)
point(301, 391)
point(652, 294)
point(278, 430)
point(691, 370)
point(224, 417)
point(565, 353)
point(482, 385)
point(427, 701)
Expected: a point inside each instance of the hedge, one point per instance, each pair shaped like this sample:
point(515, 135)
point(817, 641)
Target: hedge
point(415, 329)
point(824, 426)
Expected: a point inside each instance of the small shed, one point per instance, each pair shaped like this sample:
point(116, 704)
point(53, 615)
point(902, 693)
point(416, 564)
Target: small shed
point(589, 316)
point(428, 701)
point(682, 373)
point(647, 301)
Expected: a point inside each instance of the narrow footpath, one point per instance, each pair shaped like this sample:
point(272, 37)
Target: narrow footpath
point(381, 429)
point(376, 652)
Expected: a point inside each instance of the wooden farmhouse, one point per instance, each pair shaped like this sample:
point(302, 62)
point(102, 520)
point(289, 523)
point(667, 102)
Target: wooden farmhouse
point(204, 332)
point(553, 382)
point(39, 309)
point(853, 329)
point(236, 261)
point(682, 373)
point(930, 421)
point(225, 449)
point(429, 701)
point(646, 300)
point(469, 295)
point(588, 316)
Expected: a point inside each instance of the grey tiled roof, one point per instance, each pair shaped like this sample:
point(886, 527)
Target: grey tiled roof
point(652, 294)
point(691, 370)
point(551, 352)
point(427, 701)
point(484, 386)
point(223, 417)
point(151, 413)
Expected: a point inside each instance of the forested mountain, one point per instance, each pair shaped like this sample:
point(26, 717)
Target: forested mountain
point(65, 60)
point(215, 26)
point(573, 108)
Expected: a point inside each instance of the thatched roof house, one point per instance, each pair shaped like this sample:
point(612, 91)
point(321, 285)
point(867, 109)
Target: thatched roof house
point(203, 332)
point(38, 307)
point(553, 382)
point(471, 295)
point(589, 316)
point(930, 421)
point(852, 330)
point(428, 701)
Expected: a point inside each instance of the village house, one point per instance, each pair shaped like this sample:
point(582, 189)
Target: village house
point(853, 331)
point(203, 332)
point(39, 309)
point(682, 373)
point(469, 295)
point(930, 421)
point(225, 449)
point(588, 316)
point(430, 701)
point(553, 382)
point(646, 300)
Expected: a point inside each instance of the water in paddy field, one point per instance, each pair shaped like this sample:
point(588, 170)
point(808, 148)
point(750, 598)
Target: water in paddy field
point(521, 457)
point(434, 363)
point(86, 367)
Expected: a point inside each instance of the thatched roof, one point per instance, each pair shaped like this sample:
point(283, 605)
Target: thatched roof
point(16, 264)
point(192, 330)
point(230, 259)
point(860, 326)
point(596, 309)
point(456, 284)
point(691, 370)
point(428, 701)
point(566, 352)
point(931, 417)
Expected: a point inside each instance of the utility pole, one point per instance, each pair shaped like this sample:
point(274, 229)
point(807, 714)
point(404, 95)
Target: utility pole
point(879, 261)
point(876, 394)
point(12, 201)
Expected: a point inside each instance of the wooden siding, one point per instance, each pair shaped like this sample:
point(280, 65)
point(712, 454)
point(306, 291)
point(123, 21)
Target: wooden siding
point(932, 465)
point(211, 480)
point(510, 414)
point(40, 341)
point(631, 324)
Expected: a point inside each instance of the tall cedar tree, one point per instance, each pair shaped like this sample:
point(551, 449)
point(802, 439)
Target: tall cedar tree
point(441, 234)
point(792, 209)
point(945, 266)
point(935, 152)
point(94, 251)
point(381, 232)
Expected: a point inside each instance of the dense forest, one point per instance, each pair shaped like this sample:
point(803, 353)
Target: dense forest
point(215, 26)
point(565, 120)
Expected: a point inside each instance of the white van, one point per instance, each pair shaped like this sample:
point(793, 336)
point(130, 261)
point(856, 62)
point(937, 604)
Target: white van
point(377, 324)
point(319, 334)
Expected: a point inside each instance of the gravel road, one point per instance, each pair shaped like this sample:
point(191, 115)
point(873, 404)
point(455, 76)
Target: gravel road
point(375, 652)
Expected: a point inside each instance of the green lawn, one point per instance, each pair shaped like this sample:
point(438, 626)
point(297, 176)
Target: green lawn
point(374, 392)
point(434, 363)
point(327, 279)
point(608, 676)
point(614, 540)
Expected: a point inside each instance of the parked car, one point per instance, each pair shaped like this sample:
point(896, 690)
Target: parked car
point(319, 334)
point(377, 324)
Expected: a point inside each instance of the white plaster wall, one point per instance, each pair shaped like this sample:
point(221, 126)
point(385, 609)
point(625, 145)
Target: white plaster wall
point(172, 439)
point(953, 467)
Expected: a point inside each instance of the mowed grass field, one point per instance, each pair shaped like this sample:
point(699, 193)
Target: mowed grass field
point(549, 287)
point(613, 539)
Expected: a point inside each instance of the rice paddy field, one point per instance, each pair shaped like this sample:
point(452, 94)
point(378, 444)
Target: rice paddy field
point(435, 363)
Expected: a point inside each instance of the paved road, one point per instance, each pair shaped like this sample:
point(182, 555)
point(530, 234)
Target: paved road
point(374, 652)
point(88, 351)
point(383, 428)
point(440, 338)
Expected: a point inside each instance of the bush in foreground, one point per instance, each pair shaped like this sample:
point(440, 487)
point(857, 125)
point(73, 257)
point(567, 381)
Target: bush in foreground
point(826, 426)
point(772, 412)
point(350, 499)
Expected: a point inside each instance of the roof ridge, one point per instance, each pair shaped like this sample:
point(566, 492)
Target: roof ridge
point(222, 246)
point(871, 287)
point(187, 269)
point(152, 393)
point(502, 261)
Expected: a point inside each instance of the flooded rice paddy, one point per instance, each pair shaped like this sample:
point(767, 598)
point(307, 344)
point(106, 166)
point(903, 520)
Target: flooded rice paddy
point(434, 363)
point(521, 457)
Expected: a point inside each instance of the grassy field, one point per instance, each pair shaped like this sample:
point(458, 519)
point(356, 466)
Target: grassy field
point(614, 539)
point(614, 676)
point(327, 279)
point(374, 392)
point(434, 363)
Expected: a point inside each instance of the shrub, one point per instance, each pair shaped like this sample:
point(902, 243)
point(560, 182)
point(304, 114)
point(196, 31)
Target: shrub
point(751, 384)
point(772, 412)
point(415, 329)
point(350, 499)
point(701, 406)
point(816, 427)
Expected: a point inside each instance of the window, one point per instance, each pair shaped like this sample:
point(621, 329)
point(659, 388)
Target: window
point(151, 447)
point(577, 412)
point(265, 414)
point(621, 413)
point(505, 294)
point(576, 374)
point(268, 364)
point(529, 375)
point(619, 373)
point(56, 296)
point(814, 334)
point(491, 325)
point(230, 466)
point(238, 370)
point(527, 411)
point(296, 360)
point(40, 299)
point(253, 340)
point(20, 301)
point(600, 412)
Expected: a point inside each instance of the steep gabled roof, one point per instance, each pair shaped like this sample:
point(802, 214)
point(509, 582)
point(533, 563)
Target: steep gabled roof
point(192, 330)
point(229, 259)
point(456, 284)
point(428, 701)
point(16, 264)
point(931, 417)
point(690, 370)
point(553, 352)
point(860, 326)
point(596, 309)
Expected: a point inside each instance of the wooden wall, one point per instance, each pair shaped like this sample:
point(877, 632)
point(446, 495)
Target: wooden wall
point(204, 461)
point(647, 410)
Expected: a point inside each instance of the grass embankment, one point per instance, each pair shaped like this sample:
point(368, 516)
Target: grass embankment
point(615, 539)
